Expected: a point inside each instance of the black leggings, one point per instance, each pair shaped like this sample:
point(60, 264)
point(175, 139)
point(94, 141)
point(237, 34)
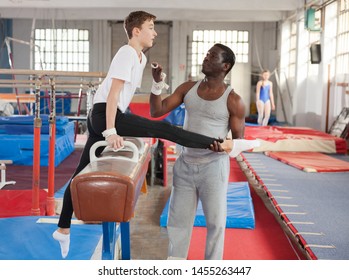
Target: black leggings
point(127, 124)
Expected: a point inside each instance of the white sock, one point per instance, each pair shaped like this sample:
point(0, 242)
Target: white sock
point(241, 145)
point(64, 242)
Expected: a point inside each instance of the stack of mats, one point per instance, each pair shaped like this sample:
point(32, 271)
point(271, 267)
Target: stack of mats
point(295, 139)
point(311, 161)
point(240, 213)
point(17, 139)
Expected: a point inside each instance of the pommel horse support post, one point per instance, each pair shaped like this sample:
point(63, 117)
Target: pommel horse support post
point(107, 190)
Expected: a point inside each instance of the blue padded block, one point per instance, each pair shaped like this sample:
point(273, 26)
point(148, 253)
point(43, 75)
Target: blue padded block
point(25, 124)
point(22, 238)
point(240, 212)
point(19, 147)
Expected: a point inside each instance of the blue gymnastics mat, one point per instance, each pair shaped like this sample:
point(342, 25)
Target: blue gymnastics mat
point(17, 139)
point(23, 238)
point(240, 212)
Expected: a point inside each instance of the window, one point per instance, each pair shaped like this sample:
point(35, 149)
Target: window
point(293, 51)
point(343, 38)
point(330, 36)
point(62, 49)
point(203, 40)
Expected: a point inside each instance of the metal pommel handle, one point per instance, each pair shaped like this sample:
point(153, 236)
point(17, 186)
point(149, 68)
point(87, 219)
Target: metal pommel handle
point(127, 146)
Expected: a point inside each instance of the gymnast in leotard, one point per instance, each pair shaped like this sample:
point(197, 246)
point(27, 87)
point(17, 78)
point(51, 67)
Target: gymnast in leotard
point(264, 98)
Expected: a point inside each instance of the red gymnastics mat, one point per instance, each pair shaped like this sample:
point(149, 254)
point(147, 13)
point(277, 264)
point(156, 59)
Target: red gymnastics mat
point(311, 161)
point(236, 175)
point(267, 241)
point(14, 203)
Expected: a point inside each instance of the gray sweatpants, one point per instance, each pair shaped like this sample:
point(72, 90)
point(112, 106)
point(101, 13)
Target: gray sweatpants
point(191, 182)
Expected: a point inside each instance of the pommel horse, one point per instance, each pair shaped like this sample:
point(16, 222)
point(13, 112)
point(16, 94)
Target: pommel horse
point(107, 190)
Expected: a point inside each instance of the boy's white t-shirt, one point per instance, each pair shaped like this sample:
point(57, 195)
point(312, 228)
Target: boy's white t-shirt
point(127, 67)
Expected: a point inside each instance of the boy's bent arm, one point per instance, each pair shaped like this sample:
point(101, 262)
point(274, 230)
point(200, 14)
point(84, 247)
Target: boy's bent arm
point(110, 134)
point(112, 102)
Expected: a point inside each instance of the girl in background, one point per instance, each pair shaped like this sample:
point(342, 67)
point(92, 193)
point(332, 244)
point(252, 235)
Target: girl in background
point(264, 98)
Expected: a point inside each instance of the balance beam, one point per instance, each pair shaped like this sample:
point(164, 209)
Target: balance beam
point(107, 190)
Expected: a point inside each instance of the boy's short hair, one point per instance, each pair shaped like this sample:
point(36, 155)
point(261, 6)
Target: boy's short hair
point(136, 19)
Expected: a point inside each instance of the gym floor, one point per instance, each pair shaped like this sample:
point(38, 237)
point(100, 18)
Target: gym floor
point(145, 224)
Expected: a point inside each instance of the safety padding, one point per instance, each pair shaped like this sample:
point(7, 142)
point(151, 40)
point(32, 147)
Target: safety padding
point(107, 189)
